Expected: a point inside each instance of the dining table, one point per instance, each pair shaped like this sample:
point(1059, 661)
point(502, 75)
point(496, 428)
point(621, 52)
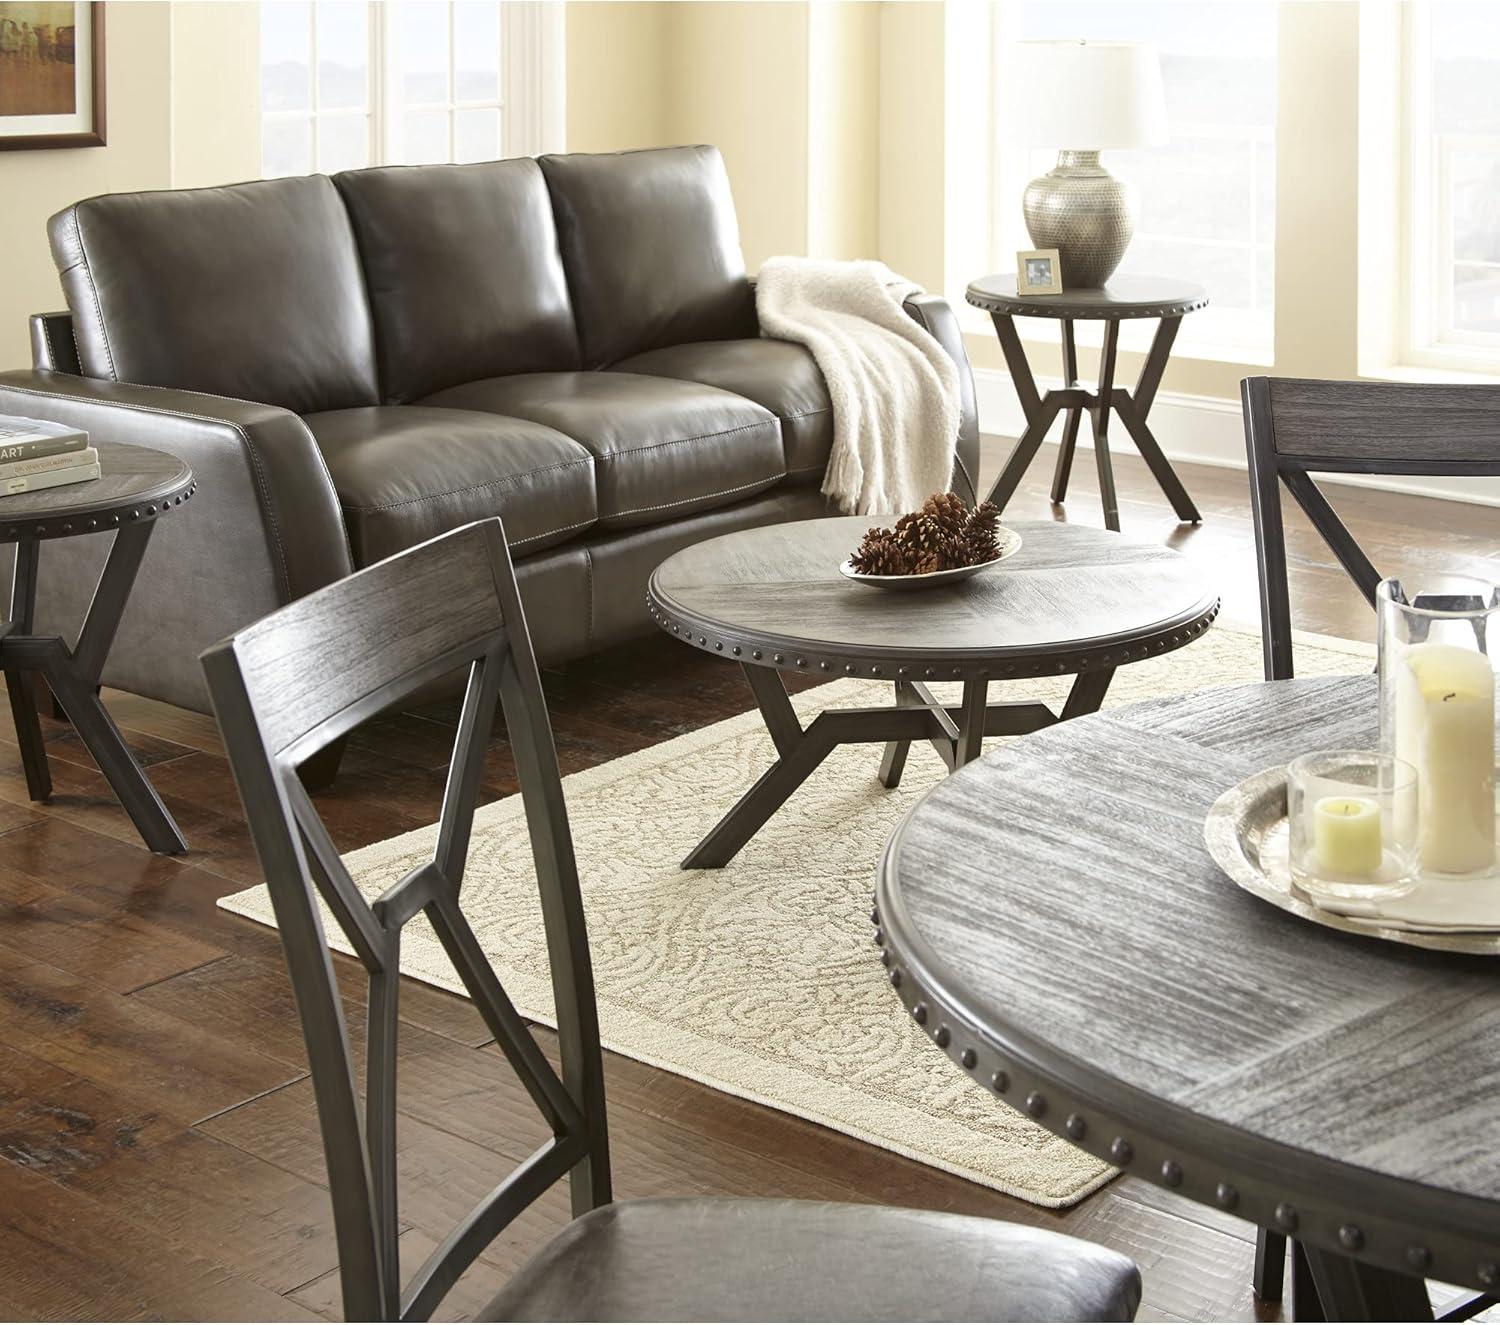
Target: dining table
point(1051, 918)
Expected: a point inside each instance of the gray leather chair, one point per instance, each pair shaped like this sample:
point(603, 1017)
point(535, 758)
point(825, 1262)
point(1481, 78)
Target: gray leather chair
point(352, 365)
point(284, 688)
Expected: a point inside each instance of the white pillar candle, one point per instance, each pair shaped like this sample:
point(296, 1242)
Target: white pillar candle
point(1445, 728)
point(1346, 836)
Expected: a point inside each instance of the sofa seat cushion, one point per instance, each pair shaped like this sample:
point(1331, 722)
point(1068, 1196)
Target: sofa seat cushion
point(404, 474)
point(662, 448)
point(778, 374)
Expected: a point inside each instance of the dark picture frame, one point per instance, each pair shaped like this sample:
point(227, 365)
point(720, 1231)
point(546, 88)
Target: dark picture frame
point(93, 132)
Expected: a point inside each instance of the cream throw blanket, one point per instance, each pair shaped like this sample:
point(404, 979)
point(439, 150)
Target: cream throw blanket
point(894, 389)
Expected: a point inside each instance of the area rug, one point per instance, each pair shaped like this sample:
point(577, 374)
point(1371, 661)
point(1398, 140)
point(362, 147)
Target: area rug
point(761, 979)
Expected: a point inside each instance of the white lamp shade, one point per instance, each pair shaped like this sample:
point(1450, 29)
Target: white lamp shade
point(1085, 96)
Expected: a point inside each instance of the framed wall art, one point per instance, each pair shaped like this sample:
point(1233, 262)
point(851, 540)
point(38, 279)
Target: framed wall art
point(51, 74)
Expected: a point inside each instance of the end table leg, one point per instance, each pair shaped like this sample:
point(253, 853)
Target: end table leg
point(21, 685)
point(1270, 1265)
point(1099, 418)
point(97, 730)
point(22, 690)
point(893, 761)
point(1064, 468)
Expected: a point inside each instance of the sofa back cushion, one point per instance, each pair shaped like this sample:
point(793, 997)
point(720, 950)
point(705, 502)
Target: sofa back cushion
point(464, 273)
point(252, 291)
point(651, 248)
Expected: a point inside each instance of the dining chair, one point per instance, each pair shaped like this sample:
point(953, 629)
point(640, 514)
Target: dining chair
point(1297, 427)
point(304, 677)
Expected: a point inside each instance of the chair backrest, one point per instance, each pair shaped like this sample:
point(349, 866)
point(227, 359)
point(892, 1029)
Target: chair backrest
point(1295, 428)
point(285, 688)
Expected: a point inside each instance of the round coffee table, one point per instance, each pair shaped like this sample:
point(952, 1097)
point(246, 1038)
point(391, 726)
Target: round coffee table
point(1123, 299)
point(1073, 600)
point(136, 487)
point(1052, 919)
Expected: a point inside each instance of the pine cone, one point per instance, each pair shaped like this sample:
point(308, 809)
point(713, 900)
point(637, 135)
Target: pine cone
point(948, 511)
point(981, 534)
point(881, 554)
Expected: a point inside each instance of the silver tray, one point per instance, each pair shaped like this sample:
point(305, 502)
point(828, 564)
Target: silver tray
point(1008, 539)
point(1246, 833)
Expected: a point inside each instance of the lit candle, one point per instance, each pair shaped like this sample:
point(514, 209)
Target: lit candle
point(1445, 728)
point(1346, 836)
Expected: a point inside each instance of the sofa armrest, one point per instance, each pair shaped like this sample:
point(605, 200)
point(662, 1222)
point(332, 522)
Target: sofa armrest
point(263, 529)
point(934, 314)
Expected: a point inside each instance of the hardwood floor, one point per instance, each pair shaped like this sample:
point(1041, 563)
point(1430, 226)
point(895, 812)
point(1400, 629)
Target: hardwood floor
point(159, 1145)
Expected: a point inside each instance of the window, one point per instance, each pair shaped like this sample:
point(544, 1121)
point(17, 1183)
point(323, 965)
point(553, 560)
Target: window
point(347, 84)
point(1453, 156)
point(1207, 200)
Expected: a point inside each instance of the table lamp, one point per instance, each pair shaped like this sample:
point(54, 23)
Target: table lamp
point(1081, 97)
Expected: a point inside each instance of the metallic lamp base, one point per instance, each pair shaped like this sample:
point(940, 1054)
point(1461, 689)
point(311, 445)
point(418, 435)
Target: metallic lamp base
point(1085, 213)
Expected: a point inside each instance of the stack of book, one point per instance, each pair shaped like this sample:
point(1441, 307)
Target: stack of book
point(36, 454)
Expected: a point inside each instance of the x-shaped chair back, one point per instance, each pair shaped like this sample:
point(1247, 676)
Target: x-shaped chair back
point(287, 687)
point(1295, 428)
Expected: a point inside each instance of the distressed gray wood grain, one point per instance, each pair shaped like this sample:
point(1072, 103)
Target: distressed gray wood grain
point(130, 477)
point(1402, 423)
point(1068, 585)
point(1058, 894)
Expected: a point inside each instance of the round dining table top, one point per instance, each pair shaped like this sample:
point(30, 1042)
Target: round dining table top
point(1052, 919)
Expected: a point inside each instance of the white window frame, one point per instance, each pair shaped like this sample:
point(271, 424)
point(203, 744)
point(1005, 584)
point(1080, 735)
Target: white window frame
point(1428, 336)
point(1216, 334)
point(531, 103)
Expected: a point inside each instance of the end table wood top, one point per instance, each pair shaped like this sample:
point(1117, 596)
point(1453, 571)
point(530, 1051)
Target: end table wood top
point(1123, 298)
point(135, 483)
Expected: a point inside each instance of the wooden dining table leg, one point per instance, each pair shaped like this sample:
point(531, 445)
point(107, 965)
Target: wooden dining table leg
point(1351, 1290)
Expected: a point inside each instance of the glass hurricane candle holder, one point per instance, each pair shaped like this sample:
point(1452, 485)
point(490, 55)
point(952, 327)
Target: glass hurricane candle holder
point(1353, 818)
point(1438, 656)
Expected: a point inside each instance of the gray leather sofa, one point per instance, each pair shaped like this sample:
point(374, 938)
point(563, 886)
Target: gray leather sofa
point(352, 365)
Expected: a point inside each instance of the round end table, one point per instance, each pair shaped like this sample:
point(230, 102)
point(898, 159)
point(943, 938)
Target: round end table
point(1073, 600)
point(1123, 299)
point(137, 486)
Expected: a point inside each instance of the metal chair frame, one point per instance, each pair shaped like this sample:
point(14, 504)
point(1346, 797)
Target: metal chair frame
point(292, 685)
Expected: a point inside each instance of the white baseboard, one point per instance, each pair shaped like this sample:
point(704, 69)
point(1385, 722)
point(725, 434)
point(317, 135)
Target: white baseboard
point(1204, 430)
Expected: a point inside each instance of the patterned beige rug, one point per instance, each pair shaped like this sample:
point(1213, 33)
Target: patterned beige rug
point(761, 979)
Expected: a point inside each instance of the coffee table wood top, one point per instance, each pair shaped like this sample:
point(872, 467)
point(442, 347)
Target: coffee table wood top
point(1072, 599)
point(1123, 298)
point(1052, 919)
point(135, 483)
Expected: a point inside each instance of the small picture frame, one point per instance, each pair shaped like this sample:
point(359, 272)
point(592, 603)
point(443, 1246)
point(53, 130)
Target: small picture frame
point(1038, 271)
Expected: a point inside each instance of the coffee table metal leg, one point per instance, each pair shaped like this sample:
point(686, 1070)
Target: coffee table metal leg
point(21, 685)
point(758, 804)
point(893, 760)
point(971, 728)
point(1087, 693)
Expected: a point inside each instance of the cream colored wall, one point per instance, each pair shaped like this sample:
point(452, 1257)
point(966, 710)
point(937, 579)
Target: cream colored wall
point(738, 75)
point(618, 91)
point(34, 185)
point(843, 129)
point(215, 81)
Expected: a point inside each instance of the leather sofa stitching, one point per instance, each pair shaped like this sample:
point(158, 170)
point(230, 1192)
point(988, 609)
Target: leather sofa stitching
point(807, 414)
point(502, 481)
point(255, 465)
point(88, 272)
point(806, 469)
point(549, 533)
point(682, 441)
point(707, 496)
point(47, 336)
